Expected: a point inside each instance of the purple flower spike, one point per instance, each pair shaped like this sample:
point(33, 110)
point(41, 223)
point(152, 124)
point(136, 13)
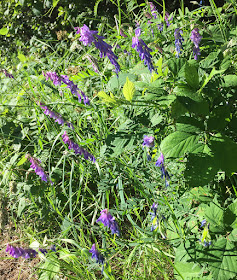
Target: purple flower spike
point(77, 149)
point(196, 39)
point(108, 221)
point(148, 141)
point(167, 20)
point(178, 41)
point(154, 11)
point(160, 160)
point(8, 75)
point(57, 117)
point(96, 255)
point(143, 50)
point(35, 164)
point(89, 36)
point(164, 172)
point(53, 77)
point(17, 252)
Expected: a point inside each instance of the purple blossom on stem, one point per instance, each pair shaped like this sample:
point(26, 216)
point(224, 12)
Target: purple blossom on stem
point(53, 77)
point(108, 221)
point(35, 164)
point(90, 36)
point(154, 216)
point(196, 39)
point(7, 74)
point(77, 149)
point(143, 50)
point(154, 11)
point(57, 80)
point(178, 41)
point(57, 117)
point(167, 19)
point(203, 223)
point(17, 252)
point(122, 33)
point(96, 255)
point(164, 172)
point(148, 141)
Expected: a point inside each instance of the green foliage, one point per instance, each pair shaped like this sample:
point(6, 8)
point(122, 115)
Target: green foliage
point(188, 106)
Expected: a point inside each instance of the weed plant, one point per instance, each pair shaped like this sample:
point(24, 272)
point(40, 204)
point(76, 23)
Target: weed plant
point(119, 145)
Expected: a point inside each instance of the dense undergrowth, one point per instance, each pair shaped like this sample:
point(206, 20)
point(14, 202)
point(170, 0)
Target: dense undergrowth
point(86, 126)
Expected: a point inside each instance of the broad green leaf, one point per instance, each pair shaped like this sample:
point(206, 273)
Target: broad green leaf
point(188, 270)
point(212, 74)
point(128, 90)
point(4, 31)
point(222, 259)
point(191, 75)
point(117, 82)
point(230, 81)
point(200, 169)
point(190, 101)
point(106, 98)
point(178, 143)
point(215, 216)
point(225, 153)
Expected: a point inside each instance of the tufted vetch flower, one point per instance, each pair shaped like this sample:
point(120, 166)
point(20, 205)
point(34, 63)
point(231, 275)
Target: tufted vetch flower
point(178, 41)
point(35, 164)
point(108, 221)
point(90, 36)
point(196, 39)
point(164, 172)
point(77, 149)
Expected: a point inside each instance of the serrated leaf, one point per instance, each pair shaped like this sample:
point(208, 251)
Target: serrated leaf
point(106, 98)
point(222, 260)
point(178, 143)
point(128, 90)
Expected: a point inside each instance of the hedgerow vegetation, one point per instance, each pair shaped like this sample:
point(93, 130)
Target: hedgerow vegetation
point(118, 138)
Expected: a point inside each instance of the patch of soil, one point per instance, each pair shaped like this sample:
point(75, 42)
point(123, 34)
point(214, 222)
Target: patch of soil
point(15, 269)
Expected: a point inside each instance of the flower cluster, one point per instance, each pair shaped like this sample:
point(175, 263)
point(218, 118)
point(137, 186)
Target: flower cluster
point(142, 49)
point(57, 80)
point(8, 75)
point(148, 141)
point(17, 252)
point(77, 149)
point(57, 117)
point(108, 221)
point(90, 36)
point(96, 255)
point(164, 172)
point(196, 39)
point(168, 19)
point(178, 41)
point(154, 11)
point(35, 164)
